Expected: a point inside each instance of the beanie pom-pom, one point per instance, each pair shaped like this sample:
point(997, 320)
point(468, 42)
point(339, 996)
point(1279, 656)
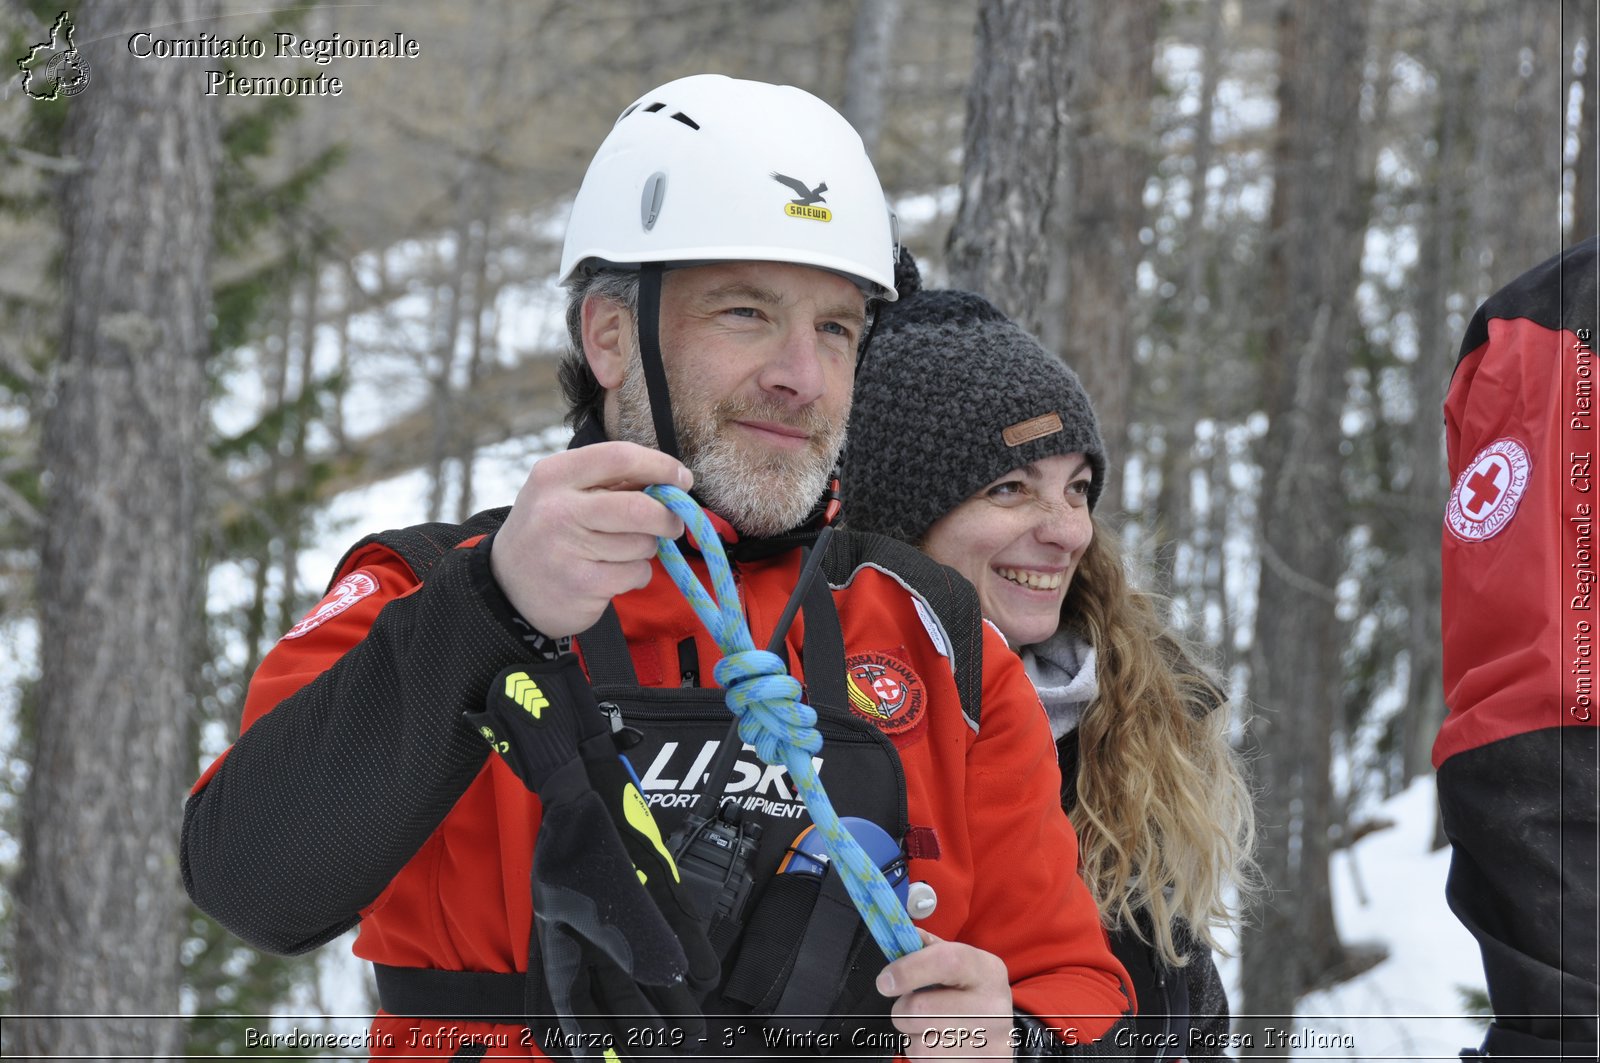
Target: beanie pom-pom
point(907, 277)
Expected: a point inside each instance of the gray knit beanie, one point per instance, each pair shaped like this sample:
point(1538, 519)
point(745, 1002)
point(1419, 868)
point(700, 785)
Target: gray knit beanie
point(953, 395)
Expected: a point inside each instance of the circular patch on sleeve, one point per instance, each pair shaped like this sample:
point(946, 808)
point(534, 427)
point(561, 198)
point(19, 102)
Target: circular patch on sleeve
point(1486, 494)
point(345, 593)
point(885, 691)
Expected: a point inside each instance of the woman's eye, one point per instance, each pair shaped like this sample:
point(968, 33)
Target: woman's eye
point(1079, 488)
point(1007, 490)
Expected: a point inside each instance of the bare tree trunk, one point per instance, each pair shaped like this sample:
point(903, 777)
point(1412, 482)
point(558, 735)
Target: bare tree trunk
point(293, 527)
point(348, 290)
point(1108, 161)
point(1516, 204)
point(1430, 375)
point(481, 300)
point(1176, 521)
point(1579, 22)
point(99, 896)
point(1016, 113)
point(1313, 257)
point(441, 375)
point(867, 73)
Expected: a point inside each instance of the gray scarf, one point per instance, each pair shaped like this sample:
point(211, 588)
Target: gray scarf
point(1062, 670)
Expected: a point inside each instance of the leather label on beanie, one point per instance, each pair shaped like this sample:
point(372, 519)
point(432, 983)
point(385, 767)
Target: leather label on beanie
point(885, 691)
point(1046, 424)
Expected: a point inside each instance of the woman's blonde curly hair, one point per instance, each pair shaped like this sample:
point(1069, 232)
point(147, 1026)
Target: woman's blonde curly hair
point(1164, 817)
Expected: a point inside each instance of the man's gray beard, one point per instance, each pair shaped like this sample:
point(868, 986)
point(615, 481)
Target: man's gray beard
point(761, 498)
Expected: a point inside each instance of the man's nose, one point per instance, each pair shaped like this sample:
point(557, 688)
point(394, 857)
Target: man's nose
point(795, 368)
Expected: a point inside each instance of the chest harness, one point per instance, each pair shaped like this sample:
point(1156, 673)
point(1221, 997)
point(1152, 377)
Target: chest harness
point(795, 954)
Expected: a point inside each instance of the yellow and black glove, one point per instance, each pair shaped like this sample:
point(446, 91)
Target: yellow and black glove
point(617, 954)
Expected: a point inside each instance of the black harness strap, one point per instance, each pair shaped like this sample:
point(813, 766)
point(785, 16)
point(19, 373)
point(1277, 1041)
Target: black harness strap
point(424, 993)
point(823, 963)
point(605, 651)
point(823, 647)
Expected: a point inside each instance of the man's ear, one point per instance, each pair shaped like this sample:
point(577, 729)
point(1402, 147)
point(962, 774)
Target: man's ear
point(607, 339)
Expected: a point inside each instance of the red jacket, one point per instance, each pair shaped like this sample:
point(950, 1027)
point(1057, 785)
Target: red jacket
point(1521, 615)
point(1002, 860)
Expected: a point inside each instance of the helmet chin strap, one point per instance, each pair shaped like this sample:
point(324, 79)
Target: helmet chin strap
point(655, 374)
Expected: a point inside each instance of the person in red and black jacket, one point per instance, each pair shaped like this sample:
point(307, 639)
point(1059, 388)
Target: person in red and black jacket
point(1516, 756)
point(729, 240)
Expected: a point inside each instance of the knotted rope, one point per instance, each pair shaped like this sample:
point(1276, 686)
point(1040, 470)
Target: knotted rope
point(774, 721)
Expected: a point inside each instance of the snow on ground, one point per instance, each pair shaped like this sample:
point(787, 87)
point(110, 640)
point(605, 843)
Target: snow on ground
point(1390, 889)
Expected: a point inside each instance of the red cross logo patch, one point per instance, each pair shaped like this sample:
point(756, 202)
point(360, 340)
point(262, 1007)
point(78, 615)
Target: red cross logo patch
point(885, 691)
point(1486, 494)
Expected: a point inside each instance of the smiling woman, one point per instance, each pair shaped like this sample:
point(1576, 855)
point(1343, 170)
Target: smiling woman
point(1019, 541)
point(971, 441)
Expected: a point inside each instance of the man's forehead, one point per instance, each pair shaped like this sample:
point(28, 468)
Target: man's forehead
point(766, 282)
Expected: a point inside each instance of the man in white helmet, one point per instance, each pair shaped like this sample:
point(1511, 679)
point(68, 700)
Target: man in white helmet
point(721, 257)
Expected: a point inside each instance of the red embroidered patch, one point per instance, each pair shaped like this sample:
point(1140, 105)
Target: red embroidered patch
point(885, 691)
point(345, 593)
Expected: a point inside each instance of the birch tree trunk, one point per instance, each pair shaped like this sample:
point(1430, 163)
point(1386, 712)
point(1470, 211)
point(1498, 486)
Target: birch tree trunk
point(1314, 244)
point(97, 924)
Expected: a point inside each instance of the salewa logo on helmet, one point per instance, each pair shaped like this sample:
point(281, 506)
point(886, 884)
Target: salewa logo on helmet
point(804, 203)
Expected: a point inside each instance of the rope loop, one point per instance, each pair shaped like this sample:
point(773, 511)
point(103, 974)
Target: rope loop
point(766, 698)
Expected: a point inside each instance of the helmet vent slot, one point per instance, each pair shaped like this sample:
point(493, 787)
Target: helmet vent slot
point(654, 107)
point(631, 108)
point(686, 120)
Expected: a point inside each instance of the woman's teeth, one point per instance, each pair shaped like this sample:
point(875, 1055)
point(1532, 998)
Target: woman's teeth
point(1038, 581)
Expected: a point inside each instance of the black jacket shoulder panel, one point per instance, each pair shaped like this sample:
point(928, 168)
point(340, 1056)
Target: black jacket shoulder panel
point(1559, 293)
point(422, 545)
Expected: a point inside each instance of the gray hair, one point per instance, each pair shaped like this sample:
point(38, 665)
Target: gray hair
point(585, 397)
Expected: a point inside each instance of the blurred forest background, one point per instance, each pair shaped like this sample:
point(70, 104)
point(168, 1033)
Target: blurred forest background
point(1257, 228)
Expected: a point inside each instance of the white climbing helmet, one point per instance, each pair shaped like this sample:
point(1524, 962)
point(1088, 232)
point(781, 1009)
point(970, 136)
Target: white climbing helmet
point(712, 169)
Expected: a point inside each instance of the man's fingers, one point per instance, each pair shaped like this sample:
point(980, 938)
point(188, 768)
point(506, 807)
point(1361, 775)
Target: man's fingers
point(617, 466)
point(628, 513)
point(619, 547)
point(934, 1002)
point(938, 963)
